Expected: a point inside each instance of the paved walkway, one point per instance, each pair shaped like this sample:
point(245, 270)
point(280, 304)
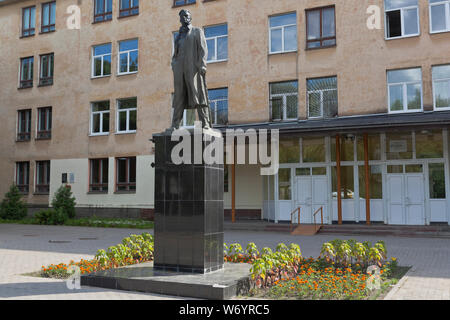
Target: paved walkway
point(25, 248)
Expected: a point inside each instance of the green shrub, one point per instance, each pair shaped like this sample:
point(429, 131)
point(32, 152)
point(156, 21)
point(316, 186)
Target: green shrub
point(12, 206)
point(137, 248)
point(63, 200)
point(51, 217)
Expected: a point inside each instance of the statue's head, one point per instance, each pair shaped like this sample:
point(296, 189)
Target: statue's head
point(185, 17)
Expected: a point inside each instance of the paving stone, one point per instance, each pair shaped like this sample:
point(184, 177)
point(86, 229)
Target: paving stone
point(25, 248)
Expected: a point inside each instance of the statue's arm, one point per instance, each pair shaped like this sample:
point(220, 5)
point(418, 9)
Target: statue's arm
point(203, 51)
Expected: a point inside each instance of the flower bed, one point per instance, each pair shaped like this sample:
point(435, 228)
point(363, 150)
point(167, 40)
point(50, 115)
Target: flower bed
point(133, 249)
point(344, 270)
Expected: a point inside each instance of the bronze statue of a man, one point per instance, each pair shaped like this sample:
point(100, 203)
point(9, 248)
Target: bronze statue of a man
point(189, 72)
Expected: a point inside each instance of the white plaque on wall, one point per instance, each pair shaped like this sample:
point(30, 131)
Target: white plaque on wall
point(398, 146)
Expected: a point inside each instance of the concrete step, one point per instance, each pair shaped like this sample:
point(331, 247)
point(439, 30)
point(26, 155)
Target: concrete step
point(433, 231)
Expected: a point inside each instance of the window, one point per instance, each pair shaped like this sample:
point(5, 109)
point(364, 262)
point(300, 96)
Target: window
point(439, 16)
point(375, 182)
point(429, 144)
point(98, 177)
point(100, 118)
point(283, 33)
point(313, 149)
point(218, 100)
point(284, 100)
point(405, 90)
point(320, 27)
point(374, 147)
point(126, 115)
point(46, 69)
point(289, 150)
point(126, 174)
point(101, 60)
point(346, 150)
point(48, 17)
point(23, 125)
point(284, 184)
point(322, 97)
point(399, 145)
point(23, 176)
point(441, 87)
point(128, 56)
point(44, 127)
point(347, 183)
point(436, 178)
point(102, 10)
point(402, 18)
point(217, 41)
point(129, 8)
point(42, 177)
point(26, 72)
point(182, 2)
point(28, 21)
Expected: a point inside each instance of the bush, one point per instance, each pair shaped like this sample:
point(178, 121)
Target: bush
point(12, 206)
point(63, 200)
point(133, 249)
point(51, 217)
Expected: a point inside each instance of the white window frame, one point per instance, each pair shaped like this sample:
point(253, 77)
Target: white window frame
point(215, 43)
point(447, 16)
point(284, 98)
point(102, 57)
point(101, 113)
point(128, 117)
point(282, 34)
point(214, 110)
point(128, 54)
point(405, 93)
point(402, 9)
point(321, 101)
point(434, 91)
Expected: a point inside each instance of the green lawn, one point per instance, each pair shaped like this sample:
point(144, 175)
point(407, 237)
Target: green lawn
point(94, 222)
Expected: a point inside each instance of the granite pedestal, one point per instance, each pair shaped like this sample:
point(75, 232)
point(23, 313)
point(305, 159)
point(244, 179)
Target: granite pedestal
point(189, 209)
point(232, 280)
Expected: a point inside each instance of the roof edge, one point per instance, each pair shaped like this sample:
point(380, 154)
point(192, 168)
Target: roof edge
point(6, 2)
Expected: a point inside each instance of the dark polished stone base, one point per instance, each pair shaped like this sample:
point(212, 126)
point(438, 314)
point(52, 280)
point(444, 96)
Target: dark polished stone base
point(232, 280)
point(189, 211)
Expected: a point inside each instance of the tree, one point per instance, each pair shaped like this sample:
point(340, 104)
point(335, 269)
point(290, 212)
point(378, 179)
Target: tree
point(12, 206)
point(64, 200)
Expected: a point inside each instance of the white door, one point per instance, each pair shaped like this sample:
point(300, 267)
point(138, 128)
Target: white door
point(311, 195)
point(414, 199)
point(304, 199)
point(406, 199)
point(320, 196)
point(396, 199)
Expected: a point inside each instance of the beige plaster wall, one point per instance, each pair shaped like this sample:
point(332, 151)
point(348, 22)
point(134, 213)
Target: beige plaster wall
point(359, 60)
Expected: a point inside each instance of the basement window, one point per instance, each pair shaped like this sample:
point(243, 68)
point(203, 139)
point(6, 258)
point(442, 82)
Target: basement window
point(402, 18)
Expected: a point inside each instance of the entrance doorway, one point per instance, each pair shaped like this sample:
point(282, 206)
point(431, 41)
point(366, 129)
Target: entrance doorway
point(312, 192)
point(406, 194)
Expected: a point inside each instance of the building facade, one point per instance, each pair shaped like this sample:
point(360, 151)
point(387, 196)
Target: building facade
point(359, 90)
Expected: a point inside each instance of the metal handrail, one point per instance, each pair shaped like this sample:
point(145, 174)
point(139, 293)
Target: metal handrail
point(321, 216)
point(298, 217)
